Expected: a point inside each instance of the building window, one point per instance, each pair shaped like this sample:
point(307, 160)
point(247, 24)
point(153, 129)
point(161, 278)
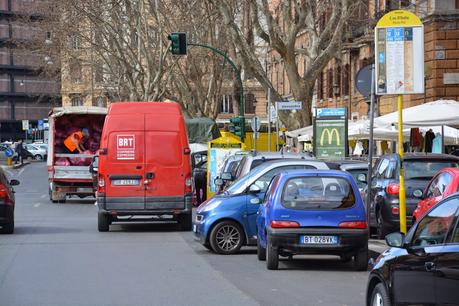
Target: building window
point(75, 71)
point(337, 84)
point(397, 4)
point(77, 101)
point(226, 104)
point(320, 86)
point(250, 103)
point(330, 83)
point(346, 80)
point(99, 101)
point(75, 41)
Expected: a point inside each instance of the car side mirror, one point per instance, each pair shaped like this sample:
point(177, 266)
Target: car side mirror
point(218, 182)
point(227, 176)
point(14, 182)
point(362, 178)
point(396, 240)
point(254, 189)
point(418, 193)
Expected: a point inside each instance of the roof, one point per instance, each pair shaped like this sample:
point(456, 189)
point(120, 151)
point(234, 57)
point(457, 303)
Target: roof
point(77, 110)
point(290, 161)
point(315, 172)
point(143, 107)
point(354, 166)
point(433, 156)
point(270, 155)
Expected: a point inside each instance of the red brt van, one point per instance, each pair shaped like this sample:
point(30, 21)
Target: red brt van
point(144, 165)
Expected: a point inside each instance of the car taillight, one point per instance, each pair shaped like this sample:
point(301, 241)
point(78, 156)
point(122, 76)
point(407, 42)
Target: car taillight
point(393, 189)
point(101, 183)
point(284, 224)
point(188, 184)
point(395, 210)
point(354, 224)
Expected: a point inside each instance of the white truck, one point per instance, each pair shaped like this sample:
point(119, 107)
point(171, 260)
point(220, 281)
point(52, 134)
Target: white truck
point(68, 171)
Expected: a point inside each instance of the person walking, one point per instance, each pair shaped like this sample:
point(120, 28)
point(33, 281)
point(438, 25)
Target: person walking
point(19, 151)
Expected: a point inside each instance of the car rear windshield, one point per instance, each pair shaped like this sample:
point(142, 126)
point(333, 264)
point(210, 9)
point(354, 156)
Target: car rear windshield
point(426, 169)
point(312, 193)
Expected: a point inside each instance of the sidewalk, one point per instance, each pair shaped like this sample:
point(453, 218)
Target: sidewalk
point(16, 166)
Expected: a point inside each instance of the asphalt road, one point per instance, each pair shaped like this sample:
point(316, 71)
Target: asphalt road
point(57, 257)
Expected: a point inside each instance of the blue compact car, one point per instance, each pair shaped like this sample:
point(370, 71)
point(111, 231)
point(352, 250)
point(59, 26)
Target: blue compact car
point(312, 212)
point(227, 221)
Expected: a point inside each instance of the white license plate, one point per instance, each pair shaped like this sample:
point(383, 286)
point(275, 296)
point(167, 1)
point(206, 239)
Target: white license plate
point(88, 190)
point(125, 182)
point(319, 239)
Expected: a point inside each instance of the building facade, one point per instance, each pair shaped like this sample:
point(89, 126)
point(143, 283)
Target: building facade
point(335, 86)
point(24, 93)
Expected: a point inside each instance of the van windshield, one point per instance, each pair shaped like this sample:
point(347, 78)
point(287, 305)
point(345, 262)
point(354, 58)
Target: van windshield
point(312, 193)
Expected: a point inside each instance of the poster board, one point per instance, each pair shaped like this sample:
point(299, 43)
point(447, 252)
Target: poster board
point(330, 133)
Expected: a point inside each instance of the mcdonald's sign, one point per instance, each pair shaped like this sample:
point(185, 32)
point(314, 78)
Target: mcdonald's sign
point(330, 134)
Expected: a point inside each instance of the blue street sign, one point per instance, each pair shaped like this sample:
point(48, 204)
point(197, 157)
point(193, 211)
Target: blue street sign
point(41, 124)
point(330, 112)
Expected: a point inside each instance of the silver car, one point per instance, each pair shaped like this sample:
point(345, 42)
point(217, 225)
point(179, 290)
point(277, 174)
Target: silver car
point(37, 152)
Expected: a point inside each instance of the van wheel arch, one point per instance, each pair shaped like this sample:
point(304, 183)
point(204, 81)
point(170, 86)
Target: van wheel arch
point(244, 242)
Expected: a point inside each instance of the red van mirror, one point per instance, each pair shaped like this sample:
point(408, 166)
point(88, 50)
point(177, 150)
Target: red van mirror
point(186, 151)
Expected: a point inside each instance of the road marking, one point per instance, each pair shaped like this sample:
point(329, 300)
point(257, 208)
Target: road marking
point(43, 196)
point(37, 205)
point(20, 172)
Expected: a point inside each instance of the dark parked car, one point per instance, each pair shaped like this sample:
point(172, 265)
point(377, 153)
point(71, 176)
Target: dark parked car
point(421, 268)
point(229, 168)
point(419, 170)
point(94, 169)
point(6, 204)
point(357, 168)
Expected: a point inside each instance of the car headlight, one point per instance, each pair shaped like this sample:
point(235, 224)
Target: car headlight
point(211, 206)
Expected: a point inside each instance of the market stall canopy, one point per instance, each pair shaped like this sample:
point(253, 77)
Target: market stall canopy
point(201, 130)
point(437, 113)
point(300, 132)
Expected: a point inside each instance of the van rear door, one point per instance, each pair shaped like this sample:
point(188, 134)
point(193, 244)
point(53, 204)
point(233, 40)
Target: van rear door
point(164, 162)
point(125, 164)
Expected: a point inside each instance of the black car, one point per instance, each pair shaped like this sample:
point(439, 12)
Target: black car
point(7, 202)
point(421, 268)
point(94, 169)
point(384, 203)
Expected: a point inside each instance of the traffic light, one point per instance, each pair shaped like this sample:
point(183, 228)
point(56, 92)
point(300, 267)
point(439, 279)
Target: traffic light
point(237, 126)
point(178, 46)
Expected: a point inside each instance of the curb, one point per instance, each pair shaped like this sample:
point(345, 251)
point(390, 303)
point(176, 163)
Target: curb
point(17, 166)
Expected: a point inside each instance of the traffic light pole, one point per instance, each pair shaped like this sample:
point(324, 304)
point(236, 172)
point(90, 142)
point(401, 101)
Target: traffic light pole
point(236, 70)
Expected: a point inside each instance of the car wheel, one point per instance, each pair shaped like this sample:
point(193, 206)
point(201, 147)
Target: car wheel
point(226, 238)
point(261, 251)
point(38, 157)
point(361, 260)
point(185, 222)
point(381, 230)
point(379, 296)
point(272, 256)
point(8, 228)
point(103, 221)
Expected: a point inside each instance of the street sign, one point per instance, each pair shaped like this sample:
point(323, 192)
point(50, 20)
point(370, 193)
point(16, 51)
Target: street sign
point(255, 124)
point(25, 125)
point(289, 105)
point(41, 125)
point(363, 81)
point(399, 54)
point(330, 133)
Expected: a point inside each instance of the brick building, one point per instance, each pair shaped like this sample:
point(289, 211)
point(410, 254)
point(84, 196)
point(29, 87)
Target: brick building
point(24, 93)
point(335, 85)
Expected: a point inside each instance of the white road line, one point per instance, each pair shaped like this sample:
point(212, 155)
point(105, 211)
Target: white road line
point(20, 172)
point(37, 205)
point(43, 196)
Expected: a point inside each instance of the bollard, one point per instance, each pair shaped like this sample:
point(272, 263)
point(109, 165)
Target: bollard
point(9, 161)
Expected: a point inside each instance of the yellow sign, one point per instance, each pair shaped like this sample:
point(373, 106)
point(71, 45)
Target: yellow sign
point(399, 18)
point(330, 136)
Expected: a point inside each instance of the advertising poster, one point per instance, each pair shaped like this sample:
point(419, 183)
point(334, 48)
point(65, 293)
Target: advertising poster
point(330, 133)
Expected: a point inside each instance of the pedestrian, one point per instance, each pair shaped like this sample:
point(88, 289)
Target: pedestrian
point(75, 141)
point(19, 151)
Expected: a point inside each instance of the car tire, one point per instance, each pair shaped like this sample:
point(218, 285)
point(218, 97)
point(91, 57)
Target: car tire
point(361, 260)
point(103, 222)
point(226, 238)
point(272, 255)
point(38, 157)
point(185, 222)
point(261, 251)
point(379, 296)
point(381, 229)
point(8, 228)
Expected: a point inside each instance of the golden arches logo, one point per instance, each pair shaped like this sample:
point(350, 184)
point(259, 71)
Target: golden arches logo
point(330, 136)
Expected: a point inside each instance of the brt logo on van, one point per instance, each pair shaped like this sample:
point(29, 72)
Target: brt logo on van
point(125, 145)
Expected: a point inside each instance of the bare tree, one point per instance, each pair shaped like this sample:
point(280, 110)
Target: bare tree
point(280, 24)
